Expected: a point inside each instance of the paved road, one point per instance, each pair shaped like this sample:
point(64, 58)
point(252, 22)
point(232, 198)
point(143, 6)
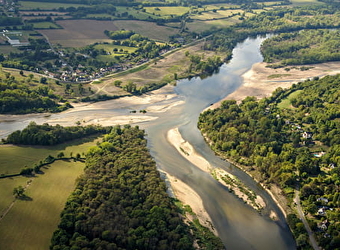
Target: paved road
point(304, 221)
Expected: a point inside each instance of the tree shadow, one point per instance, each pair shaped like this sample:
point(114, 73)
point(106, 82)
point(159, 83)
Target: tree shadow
point(25, 198)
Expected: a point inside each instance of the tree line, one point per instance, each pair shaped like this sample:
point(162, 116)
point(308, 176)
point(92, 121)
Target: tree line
point(46, 134)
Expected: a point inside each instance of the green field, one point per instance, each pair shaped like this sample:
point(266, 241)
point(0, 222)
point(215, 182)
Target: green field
point(45, 25)
point(285, 103)
point(304, 2)
point(111, 47)
point(26, 5)
point(216, 15)
point(199, 26)
point(14, 158)
point(30, 223)
point(167, 11)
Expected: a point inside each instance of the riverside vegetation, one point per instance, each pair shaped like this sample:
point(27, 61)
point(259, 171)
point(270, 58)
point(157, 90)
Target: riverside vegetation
point(292, 145)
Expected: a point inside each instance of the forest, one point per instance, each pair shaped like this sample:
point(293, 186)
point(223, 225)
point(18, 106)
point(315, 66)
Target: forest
point(120, 202)
point(303, 47)
point(46, 134)
point(288, 145)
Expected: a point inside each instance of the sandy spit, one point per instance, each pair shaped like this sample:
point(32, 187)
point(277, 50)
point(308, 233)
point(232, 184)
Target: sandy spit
point(188, 196)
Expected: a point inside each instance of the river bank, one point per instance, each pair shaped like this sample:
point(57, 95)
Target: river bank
point(260, 81)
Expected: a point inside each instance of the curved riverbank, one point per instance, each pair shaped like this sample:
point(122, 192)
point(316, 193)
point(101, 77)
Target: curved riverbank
point(175, 138)
point(260, 81)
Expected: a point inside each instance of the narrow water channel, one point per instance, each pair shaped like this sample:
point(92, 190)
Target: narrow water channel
point(238, 225)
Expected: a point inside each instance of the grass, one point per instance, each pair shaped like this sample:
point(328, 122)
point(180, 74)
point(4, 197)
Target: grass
point(45, 25)
point(30, 223)
point(216, 15)
point(110, 47)
point(27, 5)
point(304, 2)
point(199, 26)
point(286, 103)
point(14, 158)
point(167, 11)
point(273, 76)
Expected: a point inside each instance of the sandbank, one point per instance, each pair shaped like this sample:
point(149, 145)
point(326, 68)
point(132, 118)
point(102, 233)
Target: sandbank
point(260, 81)
point(194, 201)
point(188, 196)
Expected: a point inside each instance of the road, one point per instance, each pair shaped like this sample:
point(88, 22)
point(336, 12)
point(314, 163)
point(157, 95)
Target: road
point(312, 240)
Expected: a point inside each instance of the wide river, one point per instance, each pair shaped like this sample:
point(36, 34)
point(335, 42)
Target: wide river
point(239, 226)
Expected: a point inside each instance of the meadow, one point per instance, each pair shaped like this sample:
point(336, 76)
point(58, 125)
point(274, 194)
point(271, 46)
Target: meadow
point(46, 192)
point(31, 221)
point(45, 25)
point(286, 103)
point(168, 11)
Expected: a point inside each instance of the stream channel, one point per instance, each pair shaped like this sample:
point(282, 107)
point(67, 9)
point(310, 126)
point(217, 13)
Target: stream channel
point(238, 225)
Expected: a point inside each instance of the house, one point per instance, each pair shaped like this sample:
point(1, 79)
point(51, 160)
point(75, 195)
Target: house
point(323, 225)
point(307, 135)
point(322, 211)
point(322, 199)
point(319, 154)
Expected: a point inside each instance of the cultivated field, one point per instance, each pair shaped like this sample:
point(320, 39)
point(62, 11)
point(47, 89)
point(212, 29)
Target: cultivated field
point(147, 29)
point(199, 26)
point(167, 11)
point(217, 15)
point(27, 5)
point(305, 2)
point(78, 33)
point(45, 25)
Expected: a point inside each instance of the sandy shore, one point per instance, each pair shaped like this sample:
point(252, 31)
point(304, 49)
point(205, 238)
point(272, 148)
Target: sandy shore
point(260, 81)
point(188, 196)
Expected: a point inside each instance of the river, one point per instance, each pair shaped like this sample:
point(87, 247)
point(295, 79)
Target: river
point(239, 226)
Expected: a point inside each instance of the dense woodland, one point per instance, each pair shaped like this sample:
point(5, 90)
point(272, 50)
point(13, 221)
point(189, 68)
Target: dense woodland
point(303, 47)
point(121, 202)
point(46, 134)
point(289, 145)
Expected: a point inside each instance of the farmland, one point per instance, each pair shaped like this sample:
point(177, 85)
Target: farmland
point(38, 212)
point(78, 33)
point(148, 29)
point(27, 5)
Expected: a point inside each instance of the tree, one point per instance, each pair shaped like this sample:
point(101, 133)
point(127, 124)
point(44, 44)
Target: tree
point(60, 155)
point(43, 80)
point(18, 191)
